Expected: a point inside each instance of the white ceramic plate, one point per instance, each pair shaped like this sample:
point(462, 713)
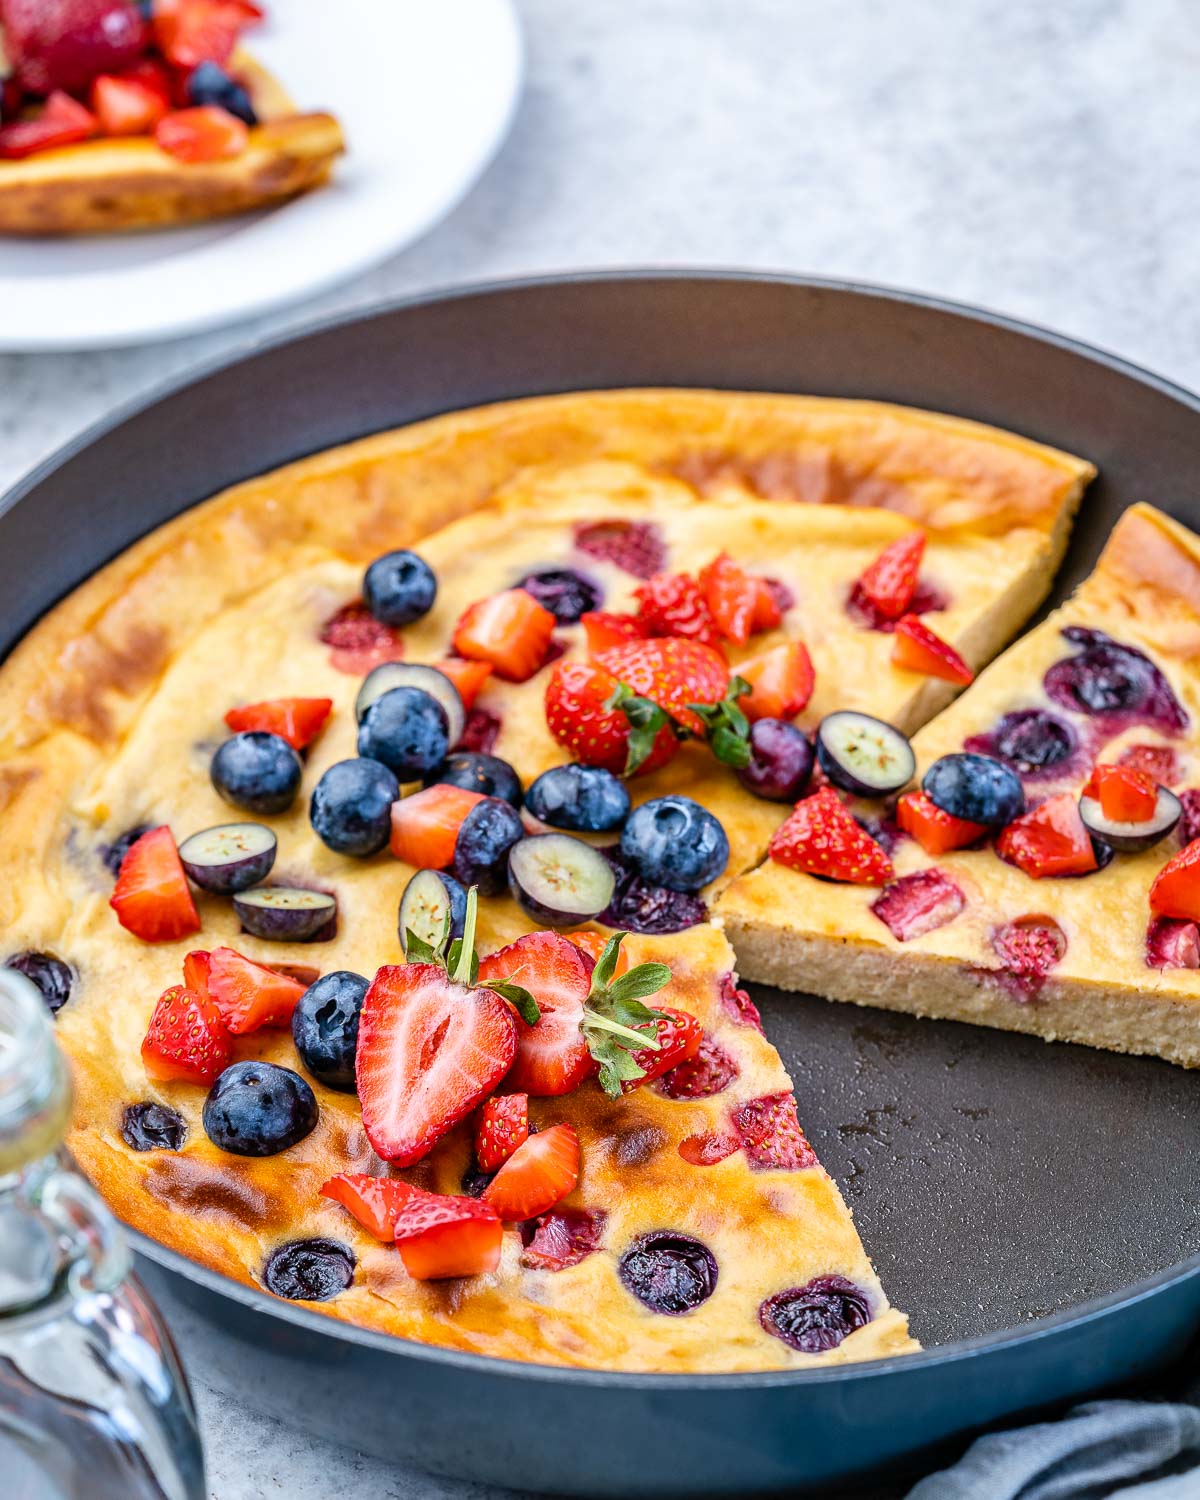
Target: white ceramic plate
point(425, 91)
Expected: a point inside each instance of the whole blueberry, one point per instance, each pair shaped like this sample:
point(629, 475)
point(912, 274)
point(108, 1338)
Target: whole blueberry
point(976, 787)
point(399, 588)
point(781, 761)
point(351, 807)
point(325, 1027)
point(582, 799)
point(477, 772)
point(817, 1316)
point(674, 842)
point(407, 729)
point(258, 1108)
point(49, 974)
point(208, 83)
point(310, 1270)
point(565, 592)
point(257, 771)
point(488, 832)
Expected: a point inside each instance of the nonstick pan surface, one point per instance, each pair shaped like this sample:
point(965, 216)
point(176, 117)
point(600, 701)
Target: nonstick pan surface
point(1033, 1207)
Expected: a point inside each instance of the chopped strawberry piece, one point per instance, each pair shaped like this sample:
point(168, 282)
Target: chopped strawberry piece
point(708, 1149)
point(296, 720)
point(674, 604)
point(918, 649)
point(678, 1037)
point(552, 1057)
point(189, 32)
point(186, 1038)
point(735, 600)
point(593, 944)
point(673, 673)
point(709, 1072)
point(374, 1201)
point(769, 605)
point(1050, 840)
point(821, 838)
point(604, 631)
point(578, 717)
point(126, 104)
point(425, 825)
point(359, 641)
point(635, 546)
point(152, 898)
point(1029, 948)
point(511, 630)
point(738, 1004)
point(439, 1237)
point(771, 1133)
point(1125, 794)
point(1172, 943)
point(64, 44)
point(1159, 762)
point(557, 1240)
point(539, 1174)
point(918, 903)
point(62, 122)
point(502, 1126)
point(430, 1051)
point(249, 995)
point(936, 831)
point(1189, 824)
point(480, 732)
point(467, 676)
point(1176, 888)
point(890, 582)
point(781, 682)
point(203, 133)
point(195, 971)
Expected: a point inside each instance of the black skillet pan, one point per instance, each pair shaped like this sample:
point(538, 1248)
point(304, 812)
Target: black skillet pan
point(1034, 1208)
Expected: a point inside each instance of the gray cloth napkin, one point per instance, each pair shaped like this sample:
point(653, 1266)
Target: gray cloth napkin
point(1139, 1450)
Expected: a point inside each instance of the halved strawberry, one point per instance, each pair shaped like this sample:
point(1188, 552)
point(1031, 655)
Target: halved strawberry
point(374, 1201)
point(578, 716)
point(891, 580)
point(249, 995)
point(593, 943)
point(918, 903)
point(936, 831)
point(781, 682)
point(296, 720)
point(152, 898)
point(1050, 840)
point(195, 970)
point(733, 598)
point(358, 641)
point(511, 630)
point(467, 676)
point(127, 104)
point(679, 1037)
point(822, 838)
point(1176, 888)
point(189, 32)
point(440, 1236)
point(672, 673)
point(186, 1038)
point(206, 132)
point(674, 604)
point(603, 631)
point(771, 1133)
point(502, 1126)
point(1125, 794)
point(62, 121)
point(552, 1057)
point(539, 1174)
point(918, 649)
point(425, 825)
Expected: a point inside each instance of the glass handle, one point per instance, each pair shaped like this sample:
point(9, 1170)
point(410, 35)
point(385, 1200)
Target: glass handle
point(100, 1259)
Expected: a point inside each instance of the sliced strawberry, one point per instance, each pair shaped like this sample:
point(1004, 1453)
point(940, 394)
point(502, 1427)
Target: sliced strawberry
point(1050, 840)
point(186, 1038)
point(1159, 762)
point(578, 717)
point(374, 1201)
point(604, 631)
point(557, 1240)
point(918, 649)
point(152, 898)
point(890, 582)
point(674, 604)
point(918, 903)
point(203, 133)
point(439, 1237)
point(821, 838)
point(771, 1133)
point(735, 600)
point(62, 122)
point(189, 32)
point(1172, 944)
point(539, 1174)
point(480, 732)
point(126, 104)
point(511, 631)
point(552, 1057)
point(737, 1004)
point(467, 676)
point(635, 546)
point(710, 1147)
point(358, 641)
point(64, 44)
point(769, 604)
point(502, 1126)
point(1029, 947)
point(1176, 888)
point(781, 682)
point(672, 673)
point(195, 971)
point(250, 995)
point(678, 1036)
point(592, 943)
point(936, 831)
point(710, 1071)
point(425, 825)
point(296, 720)
point(429, 1051)
point(1125, 794)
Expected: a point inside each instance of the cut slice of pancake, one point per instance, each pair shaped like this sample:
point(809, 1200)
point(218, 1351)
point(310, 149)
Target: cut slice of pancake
point(792, 930)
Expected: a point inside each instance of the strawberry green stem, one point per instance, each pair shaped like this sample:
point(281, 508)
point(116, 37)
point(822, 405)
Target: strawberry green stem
point(462, 970)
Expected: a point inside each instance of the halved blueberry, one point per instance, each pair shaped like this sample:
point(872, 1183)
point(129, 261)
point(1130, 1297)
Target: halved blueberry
point(310, 1270)
point(978, 788)
point(427, 897)
point(781, 761)
point(49, 974)
point(399, 587)
point(639, 906)
point(565, 592)
point(394, 674)
point(476, 772)
point(407, 729)
point(669, 1273)
point(817, 1316)
point(258, 772)
point(351, 807)
point(863, 755)
point(325, 1027)
point(581, 799)
point(1131, 838)
point(152, 1127)
point(487, 833)
point(559, 880)
point(672, 841)
point(258, 1108)
point(230, 857)
point(283, 913)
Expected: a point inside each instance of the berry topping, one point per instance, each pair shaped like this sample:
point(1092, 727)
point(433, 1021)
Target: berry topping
point(739, 604)
point(669, 1273)
point(678, 1039)
point(1176, 888)
point(674, 604)
point(486, 774)
point(559, 880)
point(1128, 792)
point(46, 973)
point(710, 1147)
point(975, 788)
point(1125, 794)
point(468, 677)
point(579, 716)
point(296, 720)
point(1030, 740)
point(593, 945)
point(538, 1174)
point(432, 680)
point(919, 649)
point(480, 732)
point(439, 1237)
point(205, 132)
point(248, 995)
point(374, 1201)
point(579, 798)
point(407, 730)
point(432, 907)
point(258, 772)
point(351, 807)
point(258, 1109)
point(710, 1070)
point(425, 826)
point(1106, 678)
point(565, 592)
point(862, 755)
point(152, 1127)
point(640, 906)
point(676, 675)
point(738, 1004)
point(561, 1239)
point(111, 855)
point(1172, 943)
point(1029, 948)
point(1189, 827)
point(918, 903)
point(635, 546)
point(358, 641)
point(399, 587)
point(151, 897)
point(325, 1027)
point(674, 842)
point(771, 1133)
point(511, 631)
point(186, 1038)
point(1159, 762)
point(781, 761)
point(889, 585)
point(191, 32)
point(287, 914)
point(936, 831)
point(64, 44)
point(309, 1270)
point(229, 858)
point(817, 1316)
point(604, 631)
point(1050, 840)
point(502, 1126)
point(488, 832)
point(821, 838)
point(781, 682)
point(211, 84)
point(131, 102)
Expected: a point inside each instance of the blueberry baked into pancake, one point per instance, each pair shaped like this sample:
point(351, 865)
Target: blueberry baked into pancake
point(362, 827)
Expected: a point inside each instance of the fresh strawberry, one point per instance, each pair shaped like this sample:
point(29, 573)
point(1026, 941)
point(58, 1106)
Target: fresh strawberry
point(579, 718)
point(604, 631)
point(539, 1174)
point(1172, 944)
point(918, 649)
point(186, 1038)
point(771, 1133)
point(248, 995)
point(890, 582)
point(151, 897)
point(296, 720)
point(1159, 762)
point(195, 970)
point(64, 44)
point(502, 1126)
point(736, 601)
point(558, 1240)
point(467, 676)
point(440, 1237)
point(374, 1201)
point(1125, 794)
point(936, 831)
point(821, 838)
point(203, 133)
point(358, 641)
point(1050, 840)
point(673, 604)
point(675, 674)
point(593, 943)
point(189, 32)
point(126, 104)
point(62, 122)
point(679, 1036)
point(1176, 888)
point(511, 631)
point(769, 604)
point(425, 825)
point(918, 903)
point(781, 682)
point(635, 546)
